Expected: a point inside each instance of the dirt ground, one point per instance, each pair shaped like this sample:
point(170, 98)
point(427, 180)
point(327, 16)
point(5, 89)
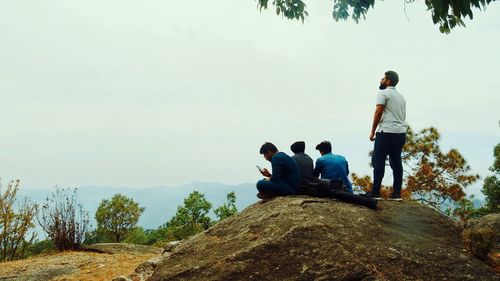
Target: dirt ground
point(73, 266)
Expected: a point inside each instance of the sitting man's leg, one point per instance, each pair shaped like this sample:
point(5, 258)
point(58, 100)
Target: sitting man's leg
point(275, 189)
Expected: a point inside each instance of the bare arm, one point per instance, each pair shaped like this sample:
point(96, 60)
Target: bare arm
point(379, 110)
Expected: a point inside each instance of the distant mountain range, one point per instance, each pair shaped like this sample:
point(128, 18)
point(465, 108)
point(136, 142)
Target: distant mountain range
point(160, 202)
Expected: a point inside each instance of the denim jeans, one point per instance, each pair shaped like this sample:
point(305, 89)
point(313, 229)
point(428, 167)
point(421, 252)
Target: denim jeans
point(388, 144)
point(279, 189)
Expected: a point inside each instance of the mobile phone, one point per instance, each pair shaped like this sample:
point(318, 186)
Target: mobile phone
point(260, 169)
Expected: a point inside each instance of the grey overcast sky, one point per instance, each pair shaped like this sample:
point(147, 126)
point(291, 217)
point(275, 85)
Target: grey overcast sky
point(147, 93)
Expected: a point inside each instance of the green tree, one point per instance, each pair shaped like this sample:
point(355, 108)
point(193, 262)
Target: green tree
point(229, 208)
point(191, 218)
point(116, 217)
point(16, 224)
point(447, 14)
point(491, 186)
point(141, 236)
point(436, 178)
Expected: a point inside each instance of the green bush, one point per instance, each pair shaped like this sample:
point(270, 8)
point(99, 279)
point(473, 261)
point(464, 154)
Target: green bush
point(40, 247)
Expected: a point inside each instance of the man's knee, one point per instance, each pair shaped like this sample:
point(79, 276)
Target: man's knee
point(261, 185)
point(378, 162)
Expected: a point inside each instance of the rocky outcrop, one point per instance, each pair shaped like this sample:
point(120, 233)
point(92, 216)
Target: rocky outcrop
point(304, 238)
point(114, 248)
point(482, 239)
point(42, 274)
point(144, 270)
point(103, 262)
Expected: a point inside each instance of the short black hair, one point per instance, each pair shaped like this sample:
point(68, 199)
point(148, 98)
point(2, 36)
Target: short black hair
point(324, 146)
point(393, 76)
point(268, 147)
point(298, 147)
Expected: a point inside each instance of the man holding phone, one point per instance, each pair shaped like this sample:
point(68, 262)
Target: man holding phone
point(285, 177)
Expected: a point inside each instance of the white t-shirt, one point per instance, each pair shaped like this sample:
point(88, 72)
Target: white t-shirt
point(394, 116)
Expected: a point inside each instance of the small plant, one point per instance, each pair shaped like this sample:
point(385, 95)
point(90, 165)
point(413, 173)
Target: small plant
point(479, 241)
point(15, 223)
point(64, 219)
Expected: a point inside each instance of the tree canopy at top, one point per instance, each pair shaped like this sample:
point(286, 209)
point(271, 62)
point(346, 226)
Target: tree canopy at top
point(447, 14)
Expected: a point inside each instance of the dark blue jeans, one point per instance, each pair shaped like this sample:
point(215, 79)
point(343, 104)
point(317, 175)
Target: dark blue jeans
point(388, 144)
point(278, 189)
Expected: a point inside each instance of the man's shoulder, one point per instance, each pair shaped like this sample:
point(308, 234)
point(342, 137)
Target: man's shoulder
point(390, 91)
point(339, 157)
point(301, 156)
point(281, 155)
point(326, 157)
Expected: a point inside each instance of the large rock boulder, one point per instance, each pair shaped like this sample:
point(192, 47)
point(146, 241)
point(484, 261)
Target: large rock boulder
point(304, 238)
point(482, 239)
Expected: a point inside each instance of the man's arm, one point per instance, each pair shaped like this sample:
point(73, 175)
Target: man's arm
point(379, 110)
point(317, 169)
point(277, 166)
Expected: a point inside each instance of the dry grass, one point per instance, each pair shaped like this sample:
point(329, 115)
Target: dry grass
point(89, 265)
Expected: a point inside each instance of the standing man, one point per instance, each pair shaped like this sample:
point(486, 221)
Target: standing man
point(332, 166)
point(390, 137)
point(305, 163)
point(285, 177)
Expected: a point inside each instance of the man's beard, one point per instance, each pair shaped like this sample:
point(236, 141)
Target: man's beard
point(382, 87)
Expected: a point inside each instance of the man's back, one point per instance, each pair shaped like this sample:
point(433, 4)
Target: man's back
point(306, 165)
point(285, 169)
point(333, 167)
point(393, 119)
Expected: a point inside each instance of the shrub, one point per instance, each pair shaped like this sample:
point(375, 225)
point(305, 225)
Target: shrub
point(15, 223)
point(64, 219)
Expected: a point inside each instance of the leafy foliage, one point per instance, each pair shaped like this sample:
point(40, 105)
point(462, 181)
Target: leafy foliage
point(40, 247)
point(15, 224)
point(433, 177)
point(116, 217)
point(141, 236)
point(64, 219)
point(463, 210)
point(290, 9)
point(191, 218)
point(447, 14)
point(229, 208)
point(491, 186)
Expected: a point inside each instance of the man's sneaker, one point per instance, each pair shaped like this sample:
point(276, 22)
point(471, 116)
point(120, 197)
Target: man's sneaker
point(375, 196)
point(395, 197)
point(265, 196)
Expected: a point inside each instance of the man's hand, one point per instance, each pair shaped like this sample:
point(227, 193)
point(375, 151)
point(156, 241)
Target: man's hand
point(372, 136)
point(379, 110)
point(265, 173)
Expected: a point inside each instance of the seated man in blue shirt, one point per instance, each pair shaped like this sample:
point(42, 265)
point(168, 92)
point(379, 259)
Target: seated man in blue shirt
point(285, 177)
point(331, 166)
